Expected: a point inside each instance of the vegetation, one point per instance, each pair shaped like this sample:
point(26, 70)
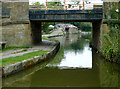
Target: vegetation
point(45, 27)
point(84, 26)
point(54, 3)
point(110, 47)
point(111, 13)
point(37, 4)
point(77, 46)
point(57, 58)
point(89, 37)
point(13, 48)
point(12, 60)
point(111, 40)
point(45, 38)
point(50, 5)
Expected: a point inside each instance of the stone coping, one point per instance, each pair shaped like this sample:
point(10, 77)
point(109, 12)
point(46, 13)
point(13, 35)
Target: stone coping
point(15, 22)
point(13, 68)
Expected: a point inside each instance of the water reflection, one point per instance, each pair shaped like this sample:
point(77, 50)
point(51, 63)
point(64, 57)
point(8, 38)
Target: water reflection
point(80, 60)
point(77, 53)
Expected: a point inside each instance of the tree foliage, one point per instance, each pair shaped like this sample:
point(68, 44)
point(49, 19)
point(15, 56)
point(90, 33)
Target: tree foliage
point(84, 26)
point(54, 3)
point(36, 3)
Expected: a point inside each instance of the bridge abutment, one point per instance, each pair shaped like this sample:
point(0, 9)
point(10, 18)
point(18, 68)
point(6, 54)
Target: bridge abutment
point(36, 32)
point(97, 34)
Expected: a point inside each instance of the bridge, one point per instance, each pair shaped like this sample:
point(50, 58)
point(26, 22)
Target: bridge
point(22, 27)
point(37, 16)
point(66, 15)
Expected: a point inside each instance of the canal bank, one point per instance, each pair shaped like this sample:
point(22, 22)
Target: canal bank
point(26, 63)
point(50, 48)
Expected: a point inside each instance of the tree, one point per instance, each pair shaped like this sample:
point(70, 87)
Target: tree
point(78, 2)
point(54, 3)
point(36, 3)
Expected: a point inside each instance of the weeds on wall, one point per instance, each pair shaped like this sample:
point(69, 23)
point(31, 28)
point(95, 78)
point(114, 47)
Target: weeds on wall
point(110, 48)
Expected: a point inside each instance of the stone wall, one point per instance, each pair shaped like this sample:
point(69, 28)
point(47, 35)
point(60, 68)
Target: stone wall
point(13, 68)
point(19, 11)
point(99, 29)
point(36, 32)
point(97, 34)
point(15, 29)
point(17, 34)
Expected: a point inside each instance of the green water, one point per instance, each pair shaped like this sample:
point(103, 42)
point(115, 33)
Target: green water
point(75, 65)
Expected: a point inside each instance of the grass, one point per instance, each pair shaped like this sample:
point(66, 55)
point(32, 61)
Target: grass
point(13, 48)
point(45, 38)
point(12, 60)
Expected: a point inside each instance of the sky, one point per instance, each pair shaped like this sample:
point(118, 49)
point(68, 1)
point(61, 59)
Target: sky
point(43, 1)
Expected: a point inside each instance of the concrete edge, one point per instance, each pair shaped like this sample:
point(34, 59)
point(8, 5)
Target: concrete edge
point(14, 68)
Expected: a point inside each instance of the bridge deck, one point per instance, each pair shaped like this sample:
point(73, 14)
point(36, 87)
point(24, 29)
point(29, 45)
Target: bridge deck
point(66, 15)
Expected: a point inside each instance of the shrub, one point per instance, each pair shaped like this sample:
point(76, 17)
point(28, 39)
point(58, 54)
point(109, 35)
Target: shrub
point(110, 46)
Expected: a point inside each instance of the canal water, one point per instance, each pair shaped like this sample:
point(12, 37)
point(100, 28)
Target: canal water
point(75, 65)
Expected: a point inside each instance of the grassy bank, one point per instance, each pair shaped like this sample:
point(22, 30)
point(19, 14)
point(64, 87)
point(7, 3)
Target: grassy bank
point(45, 38)
point(110, 47)
point(14, 48)
point(12, 60)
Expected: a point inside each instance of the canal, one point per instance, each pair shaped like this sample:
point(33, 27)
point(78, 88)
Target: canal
point(75, 65)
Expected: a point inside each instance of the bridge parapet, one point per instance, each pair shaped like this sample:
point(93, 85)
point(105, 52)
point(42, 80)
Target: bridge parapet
point(46, 15)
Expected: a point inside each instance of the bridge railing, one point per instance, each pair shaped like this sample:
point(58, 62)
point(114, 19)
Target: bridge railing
point(65, 14)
